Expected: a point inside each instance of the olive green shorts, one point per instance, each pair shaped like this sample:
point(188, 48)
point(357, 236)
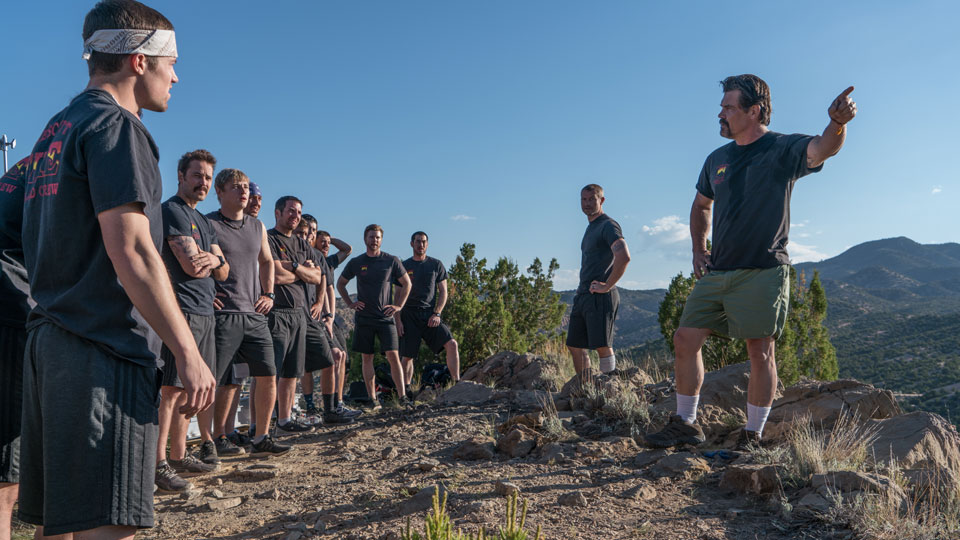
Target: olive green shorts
point(744, 304)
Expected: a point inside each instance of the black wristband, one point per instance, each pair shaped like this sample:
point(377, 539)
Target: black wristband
point(326, 315)
point(294, 265)
point(222, 262)
point(270, 295)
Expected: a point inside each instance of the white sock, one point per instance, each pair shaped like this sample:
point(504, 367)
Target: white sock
point(756, 417)
point(284, 421)
point(687, 407)
point(608, 363)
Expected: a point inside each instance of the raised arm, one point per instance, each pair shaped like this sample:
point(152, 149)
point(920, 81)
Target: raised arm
point(126, 237)
point(842, 110)
point(265, 261)
point(343, 248)
point(699, 228)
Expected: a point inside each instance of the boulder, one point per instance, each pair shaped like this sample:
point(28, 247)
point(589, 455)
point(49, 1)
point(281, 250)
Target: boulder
point(854, 482)
point(917, 440)
point(751, 479)
point(532, 420)
point(505, 489)
point(640, 492)
point(475, 448)
point(824, 403)
point(519, 442)
point(574, 498)
point(466, 393)
point(515, 371)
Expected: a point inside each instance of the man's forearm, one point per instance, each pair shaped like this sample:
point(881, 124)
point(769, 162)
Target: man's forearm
point(266, 276)
point(311, 275)
point(343, 248)
point(401, 294)
point(826, 144)
point(342, 289)
point(699, 227)
point(441, 300)
point(331, 301)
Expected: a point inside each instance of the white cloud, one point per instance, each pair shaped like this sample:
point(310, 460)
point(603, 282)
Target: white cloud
point(801, 253)
point(667, 230)
point(462, 217)
point(564, 280)
point(936, 189)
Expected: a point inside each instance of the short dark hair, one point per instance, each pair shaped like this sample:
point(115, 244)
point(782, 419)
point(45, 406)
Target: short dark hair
point(282, 202)
point(594, 188)
point(196, 155)
point(308, 218)
point(227, 175)
point(323, 233)
point(372, 227)
point(753, 91)
point(419, 233)
point(117, 15)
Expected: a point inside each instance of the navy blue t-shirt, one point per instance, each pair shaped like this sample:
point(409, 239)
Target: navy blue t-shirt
point(596, 256)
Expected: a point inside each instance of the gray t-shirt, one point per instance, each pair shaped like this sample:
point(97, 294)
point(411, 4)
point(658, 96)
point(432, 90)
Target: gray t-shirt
point(15, 301)
point(375, 275)
point(195, 295)
point(424, 275)
point(240, 243)
point(294, 249)
point(751, 187)
point(596, 259)
point(93, 156)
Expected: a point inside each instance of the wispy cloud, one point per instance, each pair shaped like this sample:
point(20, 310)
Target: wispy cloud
point(803, 253)
point(462, 217)
point(564, 280)
point(667, 230)
point(936, 189)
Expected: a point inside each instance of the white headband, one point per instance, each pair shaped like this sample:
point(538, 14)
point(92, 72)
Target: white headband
point(148, 42)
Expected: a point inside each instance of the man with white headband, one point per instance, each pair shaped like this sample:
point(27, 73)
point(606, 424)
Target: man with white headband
point(104, 299)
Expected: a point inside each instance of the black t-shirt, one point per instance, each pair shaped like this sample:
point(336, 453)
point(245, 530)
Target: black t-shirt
point(751, 187)
point(195, 295)
point(424, 275)
point(294, 249)
point(93, 156)
point(240, 241)
point(375, 275)
point(15, 301)
point(596, 258)
point(311, 288)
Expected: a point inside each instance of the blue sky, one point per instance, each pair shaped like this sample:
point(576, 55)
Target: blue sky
point(480, 121)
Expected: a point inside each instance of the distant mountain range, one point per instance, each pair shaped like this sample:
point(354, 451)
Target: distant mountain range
point(893, 316)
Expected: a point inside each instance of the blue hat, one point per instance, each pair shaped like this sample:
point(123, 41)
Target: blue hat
point(255, 190)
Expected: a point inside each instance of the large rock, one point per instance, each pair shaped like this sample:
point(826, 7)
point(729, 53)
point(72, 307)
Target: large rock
point(750, 478)
point(919, 440)
point(628, 380)
point(681, 464)
point(515, 371)
point(475, 448)
point(824, 403)
point(519, 442)
point(466, 393)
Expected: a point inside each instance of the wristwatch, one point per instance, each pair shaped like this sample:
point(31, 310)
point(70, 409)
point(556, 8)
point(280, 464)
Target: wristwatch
point(326, 316)
point(270, 295)
point(294, 265)
point(222, 262)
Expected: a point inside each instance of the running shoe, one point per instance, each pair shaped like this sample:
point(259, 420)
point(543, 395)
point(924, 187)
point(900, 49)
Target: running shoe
point(240, 439)
point(208, 453)
point(190, 464)
point(334, 417)
point(343, 410)
point(295, 426)
point(269, 447)
point(168, 480)
point(225, 447)
point(675, 433)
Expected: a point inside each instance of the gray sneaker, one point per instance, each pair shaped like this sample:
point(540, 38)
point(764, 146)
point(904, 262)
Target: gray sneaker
point(190, 464)
point(269, 447)
point(225, 447)
point(208, 453)
point(343, 410)
point(167, 479)
point(295, 426)
point(675, 433)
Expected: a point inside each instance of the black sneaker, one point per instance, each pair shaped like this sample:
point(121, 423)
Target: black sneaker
point(239, 439)
point(190, 464)
point(167, 479)
point(343, 410)
point(225, 447)
point(269, 447)
point(675, 433)
point(313, 411)
point(295, 426)
point(208, 453)
point(748, 441)
point(334, 417)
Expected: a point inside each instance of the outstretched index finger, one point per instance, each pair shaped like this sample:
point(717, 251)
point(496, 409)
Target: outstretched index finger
point(846, 92)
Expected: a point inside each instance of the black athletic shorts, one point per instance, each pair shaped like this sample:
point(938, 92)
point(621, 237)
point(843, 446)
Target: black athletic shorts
point(244, 338)
point(89, 440)
point(415, 328)
point(11, 395)
point(202, 327)
point(319, 353)
point(591, 320)
point(339, 337)
point(365, 330)
point(289, 330)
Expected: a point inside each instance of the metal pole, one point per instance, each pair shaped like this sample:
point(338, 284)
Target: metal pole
point(4, 144)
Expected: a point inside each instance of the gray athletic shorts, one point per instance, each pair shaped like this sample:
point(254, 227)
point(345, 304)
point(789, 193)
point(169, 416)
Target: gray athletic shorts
point(592, 319)
point(244, 338)
point(289, 330)
point(339, 337)
point(11, 395)
point(202, 328)
point(319, 349)
point(90, 460)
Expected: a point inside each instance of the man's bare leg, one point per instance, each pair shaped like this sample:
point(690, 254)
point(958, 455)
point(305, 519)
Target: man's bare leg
point(264, 396)
point(306, 388)
point(170, 400)
point(763, 382)
point(453, 359)
point(8, 497)
point(222, 406)
point(688, 369)
point(38, 535)
point(407, 364)
point(340, 369)
point(396, 372)
point(368, 375)
point(286, 388)
point(179, 426)
point(110, 532)
point(205, 423)
point(253, 401)
point(581, 359)
point(229, 425)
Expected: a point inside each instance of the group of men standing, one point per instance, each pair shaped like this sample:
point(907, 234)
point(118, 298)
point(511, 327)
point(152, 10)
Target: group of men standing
point(97, 273)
